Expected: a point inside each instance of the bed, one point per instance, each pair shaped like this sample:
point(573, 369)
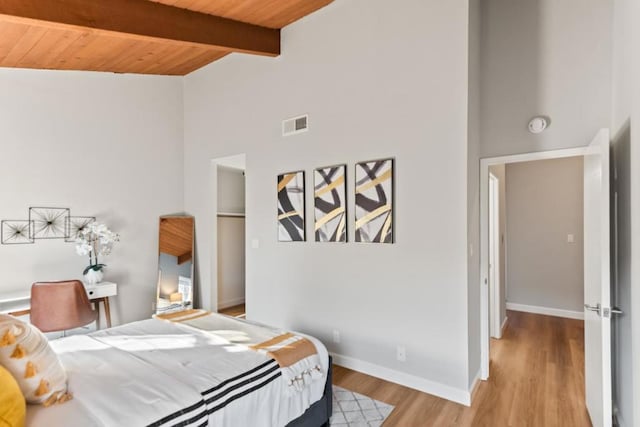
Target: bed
point(201, 369)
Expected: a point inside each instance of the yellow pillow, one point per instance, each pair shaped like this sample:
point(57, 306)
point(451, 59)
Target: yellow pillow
point(26, 354)
point(13, 408)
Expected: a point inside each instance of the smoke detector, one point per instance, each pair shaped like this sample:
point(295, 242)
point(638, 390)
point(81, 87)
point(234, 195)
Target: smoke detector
point(538, 124)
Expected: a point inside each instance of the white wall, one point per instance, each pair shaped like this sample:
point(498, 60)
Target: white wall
point(101, 144)
point(473, 187)
point(623, 292)
point(544, 57)
point(635, 206)
point(545, 205)
point(390, 81)
point(231, 192)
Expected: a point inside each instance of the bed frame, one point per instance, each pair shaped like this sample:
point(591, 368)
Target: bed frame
point(319, 413)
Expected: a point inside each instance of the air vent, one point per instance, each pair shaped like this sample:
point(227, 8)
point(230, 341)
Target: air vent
point(295, 125)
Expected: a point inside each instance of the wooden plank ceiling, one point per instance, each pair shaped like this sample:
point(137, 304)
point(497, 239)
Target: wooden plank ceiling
point(170, 37)
point(176, 237)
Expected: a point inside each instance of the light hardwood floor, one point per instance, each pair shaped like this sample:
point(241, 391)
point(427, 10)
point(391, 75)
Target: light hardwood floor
point(235, 311)
point(537, 379)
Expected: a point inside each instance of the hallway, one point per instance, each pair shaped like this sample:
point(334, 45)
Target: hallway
point(537, 379)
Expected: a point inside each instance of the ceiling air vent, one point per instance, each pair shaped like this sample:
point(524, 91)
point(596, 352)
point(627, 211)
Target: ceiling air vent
point(295, 125)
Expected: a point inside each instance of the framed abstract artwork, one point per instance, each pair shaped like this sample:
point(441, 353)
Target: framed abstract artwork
point(291, 225)
point(75, 225)
point(329, 195)
point(19, 232)
point(374, 201)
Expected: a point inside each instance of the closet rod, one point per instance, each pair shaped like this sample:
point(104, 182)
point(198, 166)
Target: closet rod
point(230, 215)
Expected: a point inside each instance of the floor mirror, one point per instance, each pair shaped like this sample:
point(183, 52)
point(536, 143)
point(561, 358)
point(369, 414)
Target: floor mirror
point(175, 264)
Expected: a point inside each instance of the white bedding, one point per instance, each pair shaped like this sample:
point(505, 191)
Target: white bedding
point(140, 373)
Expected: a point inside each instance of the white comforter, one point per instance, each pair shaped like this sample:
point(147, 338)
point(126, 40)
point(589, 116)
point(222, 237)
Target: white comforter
point(141, 373)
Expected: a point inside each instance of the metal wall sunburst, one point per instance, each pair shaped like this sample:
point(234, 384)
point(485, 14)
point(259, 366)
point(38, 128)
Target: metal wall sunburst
point(44, 223)
point(16, 232)
point(49, 223)
point(75, 225)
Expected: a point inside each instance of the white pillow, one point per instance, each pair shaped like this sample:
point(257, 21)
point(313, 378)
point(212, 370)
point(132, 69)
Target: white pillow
point(25, 352)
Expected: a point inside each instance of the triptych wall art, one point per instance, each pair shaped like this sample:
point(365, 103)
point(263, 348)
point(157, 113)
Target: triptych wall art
point(330, 192)
point(374, 201)
point(43, 224)
point(373, 218)
point(291, 207)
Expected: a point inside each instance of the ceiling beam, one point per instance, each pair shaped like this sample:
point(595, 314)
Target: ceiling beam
point(184, 258)
point(145, 20)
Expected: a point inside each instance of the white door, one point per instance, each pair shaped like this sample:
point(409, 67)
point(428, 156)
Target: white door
point(597, 314)
point(494, 257)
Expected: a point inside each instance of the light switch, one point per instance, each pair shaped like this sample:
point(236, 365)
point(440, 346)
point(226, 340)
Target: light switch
point(255, 243)
point(570, 238)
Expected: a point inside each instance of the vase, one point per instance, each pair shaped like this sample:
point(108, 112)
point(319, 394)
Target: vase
point(93, 277)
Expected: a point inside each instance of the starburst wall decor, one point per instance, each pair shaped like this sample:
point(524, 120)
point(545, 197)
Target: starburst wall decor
point(44, 223)
point(75, 225)
point(49, 223)
point(16, 232)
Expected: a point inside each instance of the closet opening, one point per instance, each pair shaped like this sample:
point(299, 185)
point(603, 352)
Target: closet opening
point(230, 235)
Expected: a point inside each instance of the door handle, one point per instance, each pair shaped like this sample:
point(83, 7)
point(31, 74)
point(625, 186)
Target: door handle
point(607, 311)
point(597, 308)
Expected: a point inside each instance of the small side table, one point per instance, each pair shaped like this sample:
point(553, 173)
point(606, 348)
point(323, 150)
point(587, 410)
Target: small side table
point(100, 293)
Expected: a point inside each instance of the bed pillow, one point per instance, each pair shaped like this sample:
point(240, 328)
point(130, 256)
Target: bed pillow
point(26, 354)
point(13, 408)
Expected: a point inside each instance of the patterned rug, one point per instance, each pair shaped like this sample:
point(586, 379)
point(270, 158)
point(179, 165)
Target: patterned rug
point(354, 410)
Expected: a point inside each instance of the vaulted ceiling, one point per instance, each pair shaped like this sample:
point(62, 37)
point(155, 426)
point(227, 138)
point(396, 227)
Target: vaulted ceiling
point(171, 37)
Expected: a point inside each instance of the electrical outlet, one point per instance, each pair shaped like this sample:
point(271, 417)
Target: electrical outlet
point(153, 306)
point(336, 336)
point(401, 354)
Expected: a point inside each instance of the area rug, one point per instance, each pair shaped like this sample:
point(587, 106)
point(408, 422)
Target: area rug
point(352, 409)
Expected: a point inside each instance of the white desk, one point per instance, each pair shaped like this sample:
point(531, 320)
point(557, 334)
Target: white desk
point(19, 303)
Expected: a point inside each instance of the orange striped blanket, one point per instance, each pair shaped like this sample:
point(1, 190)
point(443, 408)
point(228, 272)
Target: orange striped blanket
point(296, 355)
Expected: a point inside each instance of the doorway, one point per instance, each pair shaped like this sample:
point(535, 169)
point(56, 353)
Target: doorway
point(230, 235)
point(542, 203)
point(596, 312)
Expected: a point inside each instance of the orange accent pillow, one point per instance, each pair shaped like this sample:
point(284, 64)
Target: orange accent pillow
point(25, 352)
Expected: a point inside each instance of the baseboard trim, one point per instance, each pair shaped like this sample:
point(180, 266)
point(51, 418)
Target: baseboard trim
point(475, 384)
point(504, 325)
point(569, 314)
point(230, 303)
point(501, 331)
point(460, 396)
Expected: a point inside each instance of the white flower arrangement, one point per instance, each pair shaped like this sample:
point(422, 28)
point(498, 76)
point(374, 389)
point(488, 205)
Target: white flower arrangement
point(95, 240)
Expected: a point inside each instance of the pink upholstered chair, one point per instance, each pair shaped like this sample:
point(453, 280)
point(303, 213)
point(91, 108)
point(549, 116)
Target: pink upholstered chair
point(60, 306)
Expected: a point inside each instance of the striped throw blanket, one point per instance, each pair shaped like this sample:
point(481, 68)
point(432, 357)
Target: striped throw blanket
point(296, 355)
